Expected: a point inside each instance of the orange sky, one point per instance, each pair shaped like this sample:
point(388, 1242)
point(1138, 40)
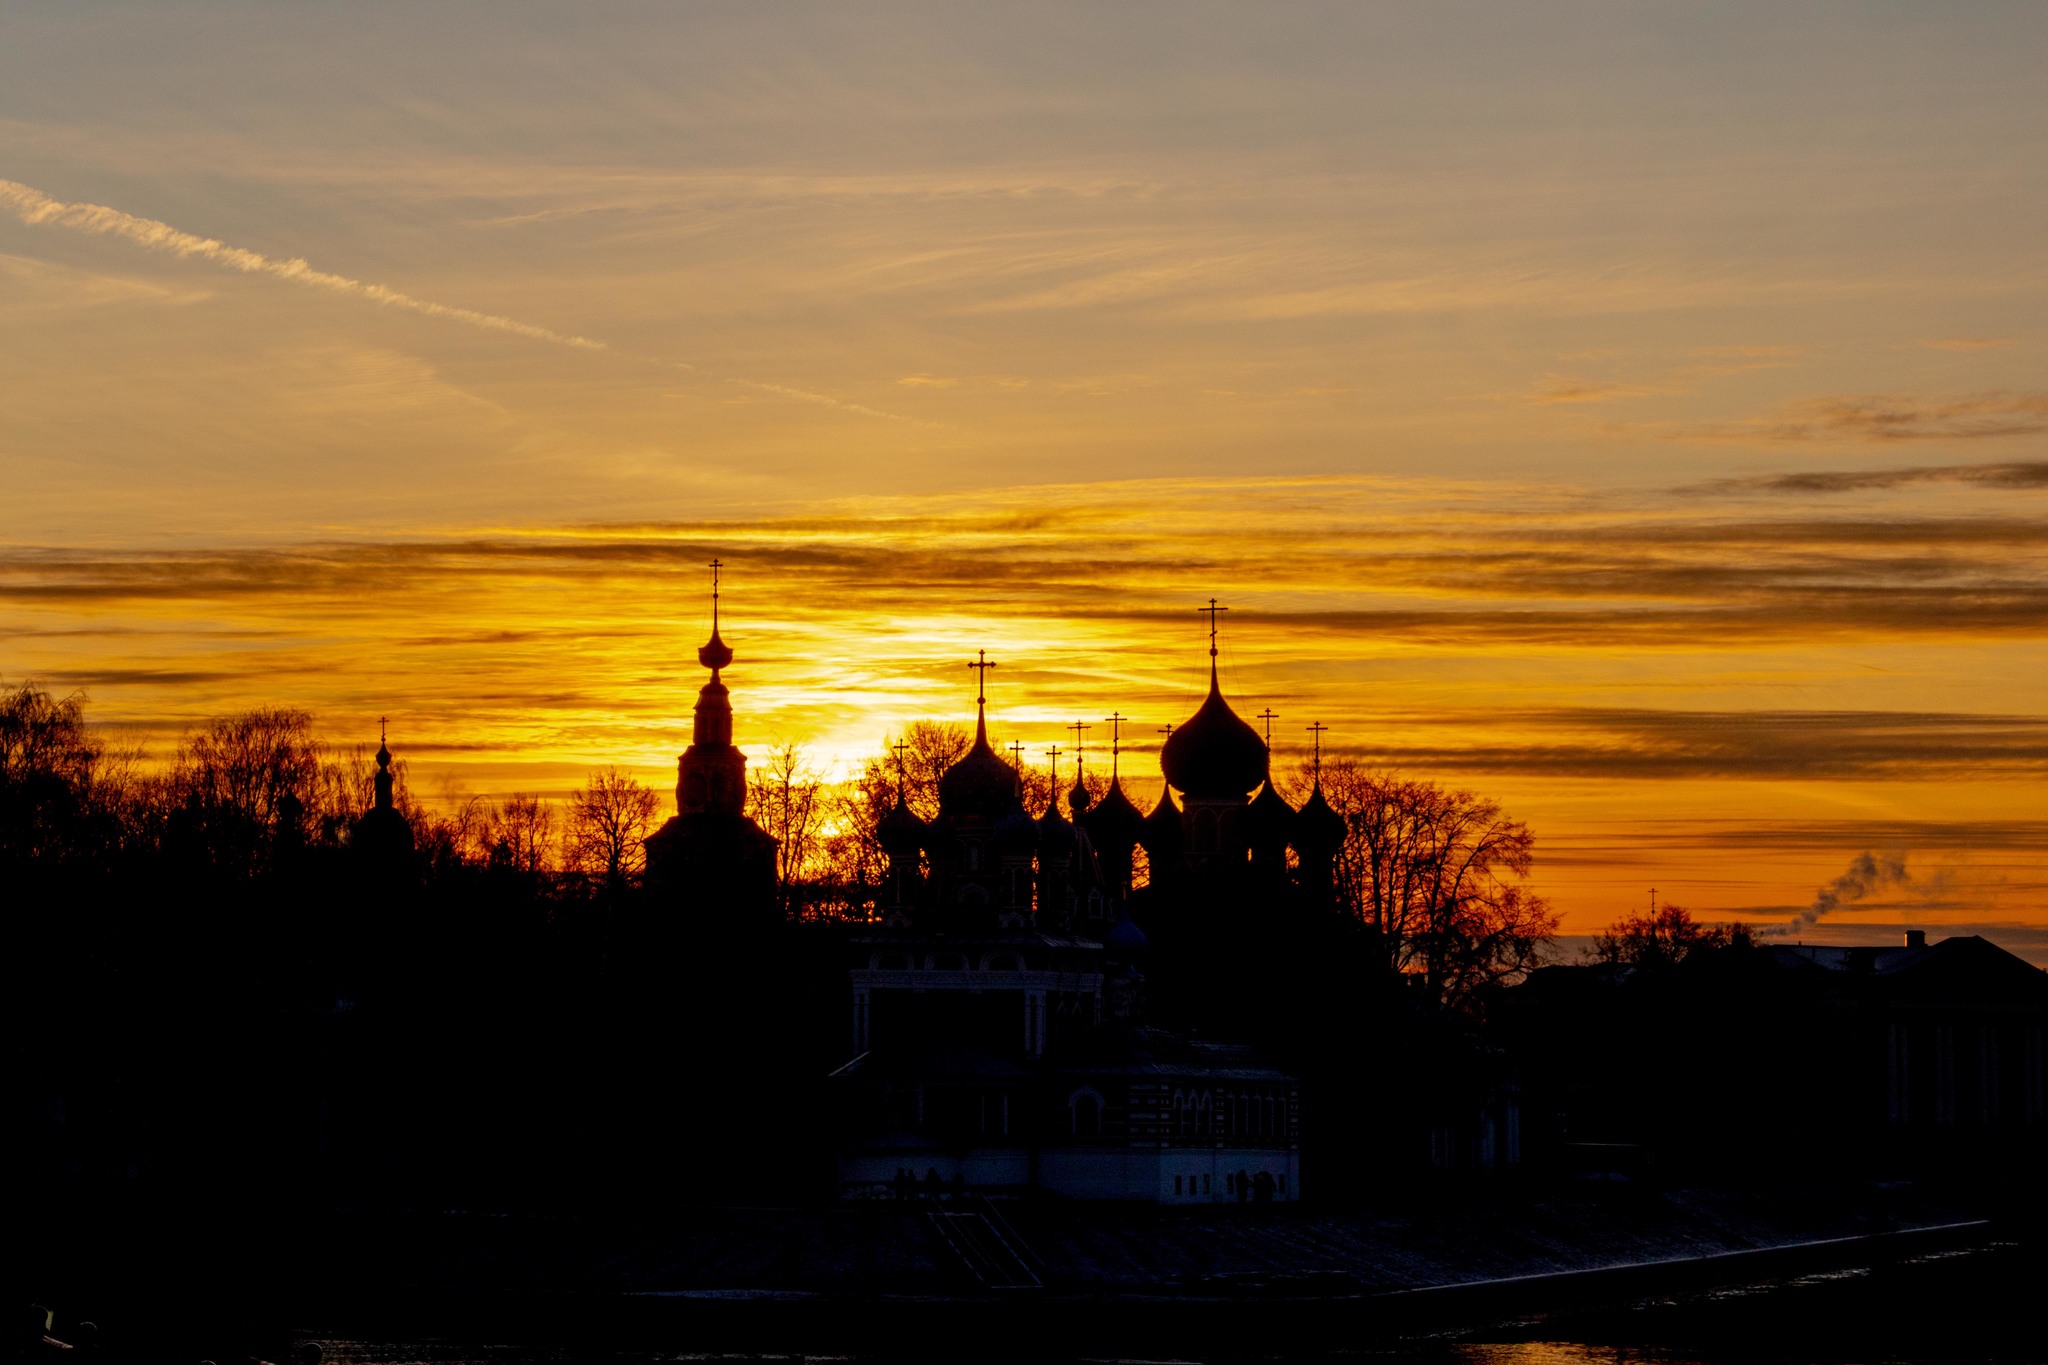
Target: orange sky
point(1635, 414)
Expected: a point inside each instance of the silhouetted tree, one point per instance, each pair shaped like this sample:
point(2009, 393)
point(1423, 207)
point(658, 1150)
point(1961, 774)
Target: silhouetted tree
point(1663, 937)
point(930, 747)
point(62, 797)
point(523, 835)
point(787, 797)
point(1438, 874)
point(609, 821)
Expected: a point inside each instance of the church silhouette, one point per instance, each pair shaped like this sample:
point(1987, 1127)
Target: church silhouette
point(1005, 1031)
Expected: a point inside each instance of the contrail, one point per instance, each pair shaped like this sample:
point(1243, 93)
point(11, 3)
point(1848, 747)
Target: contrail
point(34, 207)
point(826, 400)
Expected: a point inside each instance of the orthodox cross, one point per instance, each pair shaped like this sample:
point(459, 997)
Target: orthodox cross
point(1653, 904)
point(1269, 716)
point(1053, 752)
point(1114, 721)
point(1210, 611)
point(1167, 730)
point(715, 567)
point(1317, 730)
point(982, 665)
point(1080, 729)
point(380, 732)
point(1017, 755)
point(899, 746)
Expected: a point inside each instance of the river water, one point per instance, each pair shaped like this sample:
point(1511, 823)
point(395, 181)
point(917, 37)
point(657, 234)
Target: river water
point(1984, 1306)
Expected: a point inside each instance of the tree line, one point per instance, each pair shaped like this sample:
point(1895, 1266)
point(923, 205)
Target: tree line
point(1439, 875)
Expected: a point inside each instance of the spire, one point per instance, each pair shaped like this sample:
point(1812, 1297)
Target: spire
point(1212, 611)
point(981, 665)
point(1115, 721)
point(711, 776)
point(714, 655)
point(1317, 730)
point(384, 780)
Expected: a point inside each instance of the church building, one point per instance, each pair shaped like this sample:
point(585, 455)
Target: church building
point(999, 1036)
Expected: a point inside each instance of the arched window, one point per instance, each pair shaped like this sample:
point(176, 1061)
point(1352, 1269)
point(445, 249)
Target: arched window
point(946, 962)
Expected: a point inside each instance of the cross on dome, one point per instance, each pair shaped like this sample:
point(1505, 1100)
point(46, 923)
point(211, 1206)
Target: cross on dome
point(1114, 720)
point(714, 655)
point(1212, 611)
point(1269, 716)
point(1317, 730)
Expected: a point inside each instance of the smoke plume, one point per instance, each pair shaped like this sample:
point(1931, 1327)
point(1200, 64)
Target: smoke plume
point(1868, 872)
point(34, 207)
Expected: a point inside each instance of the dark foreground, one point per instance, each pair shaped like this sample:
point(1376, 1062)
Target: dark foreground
point(1678, 1276)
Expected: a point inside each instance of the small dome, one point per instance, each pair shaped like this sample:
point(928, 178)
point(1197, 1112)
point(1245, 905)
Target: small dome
point(980, 787)
point(1054, 832)
point(1318, 825)
point(1078, 799)
point(1215, 756)
point(900, 828)
point(1114, 822)
point(714, 654)
point(1269, 819)
point(1161, 835)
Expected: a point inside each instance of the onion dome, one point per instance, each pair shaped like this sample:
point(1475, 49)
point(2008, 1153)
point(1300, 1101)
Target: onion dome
point(383, 831)
point(1078, 799)
point(1317, 825)
point(1269, 819)
point(1215, 755)
point(714, 653)
point(900, 831)
point(980, 786)
point(1125, 937)
point(1054, 832)
point(1162, 833)
point(1114, 822)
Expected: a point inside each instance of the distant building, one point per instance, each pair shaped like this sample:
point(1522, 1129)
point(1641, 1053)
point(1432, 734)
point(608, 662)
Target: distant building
point(1916, 1059)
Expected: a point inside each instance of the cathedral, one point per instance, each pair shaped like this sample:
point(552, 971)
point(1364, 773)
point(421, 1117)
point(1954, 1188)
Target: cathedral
point(1003, 1034)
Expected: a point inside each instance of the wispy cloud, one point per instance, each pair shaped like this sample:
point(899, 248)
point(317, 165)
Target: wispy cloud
point(1884, 419)
point(35, 208)
point(2011, 474)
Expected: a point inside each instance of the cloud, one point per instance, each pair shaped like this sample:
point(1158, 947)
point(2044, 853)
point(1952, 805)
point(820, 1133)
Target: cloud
point(2012, 474)
point(1622, 743)
point(1560, 389)
point(35, 208)
point(1967, 343)
point(1887, 419)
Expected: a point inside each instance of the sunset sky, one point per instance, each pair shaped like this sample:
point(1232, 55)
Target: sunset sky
point(1638, 413)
